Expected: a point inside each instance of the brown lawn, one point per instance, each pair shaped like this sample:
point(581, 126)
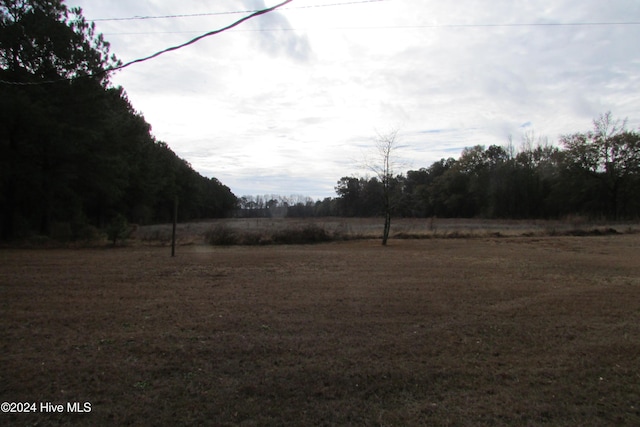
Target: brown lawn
point(485, 331)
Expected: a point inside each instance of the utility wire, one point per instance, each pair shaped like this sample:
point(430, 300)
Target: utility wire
point(155, 55)
point(194, 40)
point(527, 24)
point(189, 15)
point(403, 27)
point(195, 15)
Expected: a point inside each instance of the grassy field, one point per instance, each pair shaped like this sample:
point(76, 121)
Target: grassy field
point(541, 330)
point(369, 228)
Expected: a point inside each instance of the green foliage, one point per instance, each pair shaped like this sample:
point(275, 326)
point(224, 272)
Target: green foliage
point(604, 164)
point(74, 231)
point(118, 229)
point(77, 149)
point(596, 175)
point(43, 39)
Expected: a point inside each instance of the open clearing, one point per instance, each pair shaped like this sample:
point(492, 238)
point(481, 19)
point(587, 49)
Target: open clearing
point(482, 331)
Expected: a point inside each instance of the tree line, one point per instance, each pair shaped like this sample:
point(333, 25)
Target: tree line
point(74, 154)
point(594, 174)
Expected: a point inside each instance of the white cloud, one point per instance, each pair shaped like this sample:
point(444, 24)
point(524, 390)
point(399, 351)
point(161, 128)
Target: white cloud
point(285, 103)
point(275, 35)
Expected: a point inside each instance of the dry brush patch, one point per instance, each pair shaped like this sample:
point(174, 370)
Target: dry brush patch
point(510, 331)
point(267, 231)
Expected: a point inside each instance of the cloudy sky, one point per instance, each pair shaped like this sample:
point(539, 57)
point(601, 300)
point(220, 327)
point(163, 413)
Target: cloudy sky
point(290, 102)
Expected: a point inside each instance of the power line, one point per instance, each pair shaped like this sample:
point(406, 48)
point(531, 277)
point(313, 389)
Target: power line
point(402, 27)
point(180, 46)
point(527, 24)
point(190, 15)
point(195, 15)
point(196, 39)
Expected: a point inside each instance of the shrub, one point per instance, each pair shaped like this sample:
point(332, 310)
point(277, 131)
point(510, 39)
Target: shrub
point(61, 232)
point(118, 228)
point(308, 234)
point(87, 233)
point(75, 231)
point(254, 238)
point(221, 235)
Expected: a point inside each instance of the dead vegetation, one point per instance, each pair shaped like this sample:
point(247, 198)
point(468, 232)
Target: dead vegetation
point(541, 330)
point(267, 231)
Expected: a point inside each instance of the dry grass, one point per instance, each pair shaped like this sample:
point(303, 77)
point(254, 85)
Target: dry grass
point(484, 331)
point(265, 230)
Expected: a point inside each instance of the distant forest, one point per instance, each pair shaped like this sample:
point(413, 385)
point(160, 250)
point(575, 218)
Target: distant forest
point(74, 154)
point(76, 157)
point(595, 174)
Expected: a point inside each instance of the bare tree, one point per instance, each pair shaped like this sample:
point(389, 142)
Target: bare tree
point(384, 167)
point(610, 154)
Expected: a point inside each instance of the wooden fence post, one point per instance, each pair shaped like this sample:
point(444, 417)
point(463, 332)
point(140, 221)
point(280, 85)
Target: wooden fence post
point(175, 222)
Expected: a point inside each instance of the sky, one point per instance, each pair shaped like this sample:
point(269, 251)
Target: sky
point(291, 101)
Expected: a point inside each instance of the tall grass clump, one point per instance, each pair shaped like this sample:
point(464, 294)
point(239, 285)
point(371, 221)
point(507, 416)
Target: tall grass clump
point(222, 235)
point(308, 234)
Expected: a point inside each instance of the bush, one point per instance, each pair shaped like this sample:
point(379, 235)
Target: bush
point(118, 229)
point(221, 235)
point(75, 231)
point(61, 232)
point(309, 234)
point(87, 233)
point(255, 238)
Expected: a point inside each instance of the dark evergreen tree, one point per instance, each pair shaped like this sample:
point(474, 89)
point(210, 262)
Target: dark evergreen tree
point(73, 151)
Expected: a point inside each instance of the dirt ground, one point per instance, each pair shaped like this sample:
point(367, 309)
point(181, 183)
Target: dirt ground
point(437, 332)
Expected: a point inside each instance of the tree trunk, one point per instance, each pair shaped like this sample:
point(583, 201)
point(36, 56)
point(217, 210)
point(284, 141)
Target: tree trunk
point(7, 214)
point(387, 227)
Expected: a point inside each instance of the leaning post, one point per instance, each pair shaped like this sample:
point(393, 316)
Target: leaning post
point(173, 231)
